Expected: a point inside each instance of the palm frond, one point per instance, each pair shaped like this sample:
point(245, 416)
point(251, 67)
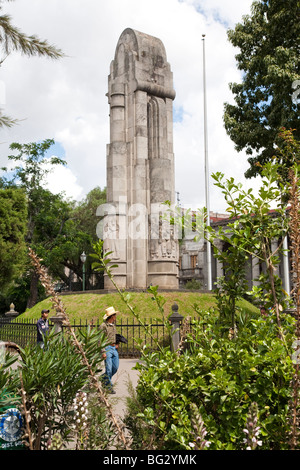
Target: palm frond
point(12, 39)
point(6, 121)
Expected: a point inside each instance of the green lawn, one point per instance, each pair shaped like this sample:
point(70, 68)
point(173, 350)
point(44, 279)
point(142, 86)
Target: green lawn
point(90, 306)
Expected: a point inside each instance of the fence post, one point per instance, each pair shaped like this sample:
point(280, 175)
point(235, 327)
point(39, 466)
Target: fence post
point(175, 320)
point(12, 313)
point(58, 322)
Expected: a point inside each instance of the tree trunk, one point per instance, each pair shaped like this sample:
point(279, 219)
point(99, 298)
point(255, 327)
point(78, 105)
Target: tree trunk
point(33, 296)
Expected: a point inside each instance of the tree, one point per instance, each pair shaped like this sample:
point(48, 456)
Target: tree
point(13, 217)
point(57, 229)
point(268, 43)
point(29, 175)
point(78, 234)
point(12, 39)
point(85, 211)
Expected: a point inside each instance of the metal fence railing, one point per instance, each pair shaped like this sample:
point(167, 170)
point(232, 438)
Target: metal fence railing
point(23, 332)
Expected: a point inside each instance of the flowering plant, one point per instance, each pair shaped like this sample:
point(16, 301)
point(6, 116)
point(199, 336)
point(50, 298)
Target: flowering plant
point(252, 430)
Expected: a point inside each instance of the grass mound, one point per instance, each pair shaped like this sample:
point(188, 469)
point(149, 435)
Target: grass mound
point(91, 306)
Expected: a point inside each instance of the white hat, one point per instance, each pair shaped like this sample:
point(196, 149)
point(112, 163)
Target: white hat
point(109, 312)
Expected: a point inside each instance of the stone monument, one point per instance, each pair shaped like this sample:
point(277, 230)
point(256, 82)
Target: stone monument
point(140, 165)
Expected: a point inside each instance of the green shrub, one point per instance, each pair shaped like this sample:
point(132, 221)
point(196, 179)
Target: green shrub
point(223, 377)
point(51, 379)
point(193, 284)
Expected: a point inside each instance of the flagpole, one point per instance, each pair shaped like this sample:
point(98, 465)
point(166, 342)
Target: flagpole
point(208, 244)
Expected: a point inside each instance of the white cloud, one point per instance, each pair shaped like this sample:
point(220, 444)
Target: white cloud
point(65, 99)
point(62, 180)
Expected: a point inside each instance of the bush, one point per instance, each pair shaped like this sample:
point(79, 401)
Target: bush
point(223, 375)
point(193, 284)
point(52, 378)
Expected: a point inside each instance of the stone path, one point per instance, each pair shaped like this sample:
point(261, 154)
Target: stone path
point(125, 375)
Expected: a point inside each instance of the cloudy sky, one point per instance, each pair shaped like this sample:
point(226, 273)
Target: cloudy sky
point(65, 99)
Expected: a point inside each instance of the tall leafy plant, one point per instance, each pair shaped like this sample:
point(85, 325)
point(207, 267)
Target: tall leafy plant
point(255, 223)
point(79, 346)
point(51, 377)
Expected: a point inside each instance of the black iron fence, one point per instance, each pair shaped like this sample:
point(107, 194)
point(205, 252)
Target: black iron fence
point(23, 332)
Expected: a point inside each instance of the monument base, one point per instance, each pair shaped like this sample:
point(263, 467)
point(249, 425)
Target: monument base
point(162, 274)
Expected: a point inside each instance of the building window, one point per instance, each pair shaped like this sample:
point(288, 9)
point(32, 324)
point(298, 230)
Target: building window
point(194, 261)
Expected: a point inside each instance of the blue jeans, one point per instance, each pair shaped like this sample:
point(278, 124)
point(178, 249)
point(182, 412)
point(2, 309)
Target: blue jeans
point(111, 365)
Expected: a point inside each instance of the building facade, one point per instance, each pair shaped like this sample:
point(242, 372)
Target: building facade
point(193, 260)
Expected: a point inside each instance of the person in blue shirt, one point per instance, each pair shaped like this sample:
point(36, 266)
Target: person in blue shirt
point(42, 326)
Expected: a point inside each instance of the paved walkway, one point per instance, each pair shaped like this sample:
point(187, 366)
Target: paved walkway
point(123, 377)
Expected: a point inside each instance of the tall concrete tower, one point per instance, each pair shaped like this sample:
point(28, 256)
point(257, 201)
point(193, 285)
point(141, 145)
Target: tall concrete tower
point(140, 165)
